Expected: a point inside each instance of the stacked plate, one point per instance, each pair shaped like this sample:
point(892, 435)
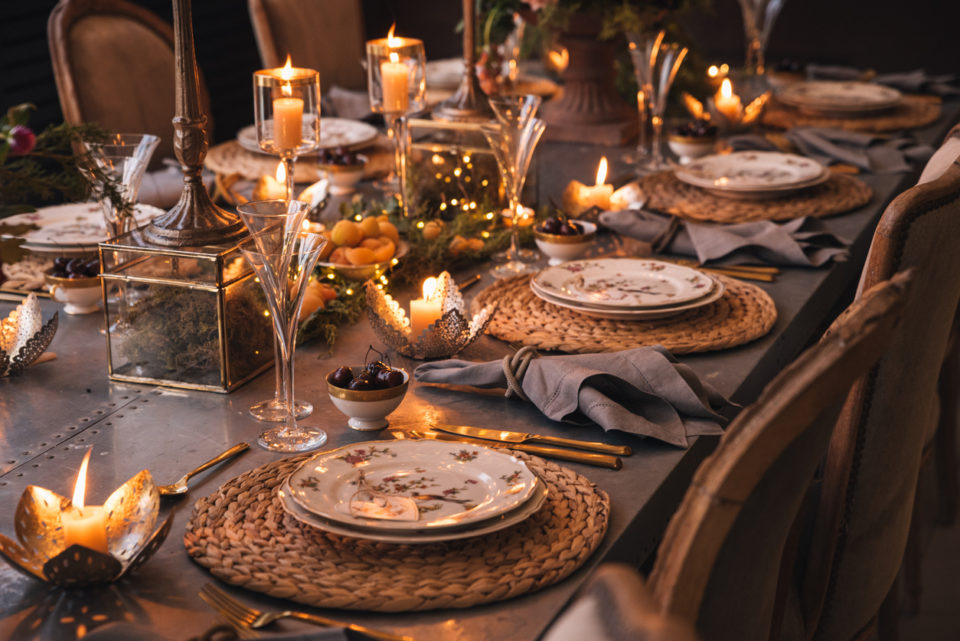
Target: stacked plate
point(834, 98)
point(334, 133)
point(71, 228)
point(753, 174)
point(626, 288)
point(459, 491)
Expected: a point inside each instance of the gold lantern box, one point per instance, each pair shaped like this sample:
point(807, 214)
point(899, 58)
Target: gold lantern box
point(189, 317)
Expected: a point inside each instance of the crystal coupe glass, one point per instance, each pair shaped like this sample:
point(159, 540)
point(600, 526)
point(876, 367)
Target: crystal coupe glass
point(283, 263)
point(124, 158)
point(279, 220)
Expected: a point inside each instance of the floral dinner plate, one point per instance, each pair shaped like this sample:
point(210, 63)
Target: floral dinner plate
point(334, 132)
point(70, 227)
point(453, 484)
point(752, 171)
point(839, 96)
point(623, 283)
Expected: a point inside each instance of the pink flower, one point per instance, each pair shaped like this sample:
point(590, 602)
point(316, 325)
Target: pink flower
point(22, 140)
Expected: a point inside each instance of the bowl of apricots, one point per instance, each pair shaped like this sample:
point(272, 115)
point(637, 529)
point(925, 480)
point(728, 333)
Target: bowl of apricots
point(360, 250)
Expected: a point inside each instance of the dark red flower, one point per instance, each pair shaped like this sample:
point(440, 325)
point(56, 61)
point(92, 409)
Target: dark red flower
point(22, 140)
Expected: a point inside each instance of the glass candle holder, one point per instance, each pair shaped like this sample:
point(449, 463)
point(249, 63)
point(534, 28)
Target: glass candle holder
point(396, 84)
point(286, 104)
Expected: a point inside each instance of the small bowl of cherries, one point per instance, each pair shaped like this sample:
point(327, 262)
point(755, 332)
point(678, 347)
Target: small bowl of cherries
point(366, 394)
point(562, 239)
point(692, 140)
point(75, 282)
point(343, 168)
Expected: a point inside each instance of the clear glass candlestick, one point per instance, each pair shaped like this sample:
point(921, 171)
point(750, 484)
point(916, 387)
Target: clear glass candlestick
point(122, 159)
point(396, 84)
point(286, 109)
point(273, 221)
point(283, 263)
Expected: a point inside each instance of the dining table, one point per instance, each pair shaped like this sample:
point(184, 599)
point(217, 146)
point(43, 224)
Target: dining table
point(52, 413)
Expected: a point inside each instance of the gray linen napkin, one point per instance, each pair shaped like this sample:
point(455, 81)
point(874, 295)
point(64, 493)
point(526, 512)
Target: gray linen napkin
point(802, 241)
point(827, 145)
point(125, 631)
point(643, 391)
point(916, 81)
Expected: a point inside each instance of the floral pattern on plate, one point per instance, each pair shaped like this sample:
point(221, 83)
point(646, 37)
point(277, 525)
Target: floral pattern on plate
point(752, 171)
point(70, 226)
point(841, 96)
point(622, 283)
point(457, 485)
point(334, 132)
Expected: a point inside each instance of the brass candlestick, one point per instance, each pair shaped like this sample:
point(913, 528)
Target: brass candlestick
point(194, 221)
point(469, 103)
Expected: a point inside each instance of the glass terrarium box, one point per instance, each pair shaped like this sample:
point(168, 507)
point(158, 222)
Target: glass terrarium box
point(185, 317)
point(450, 169)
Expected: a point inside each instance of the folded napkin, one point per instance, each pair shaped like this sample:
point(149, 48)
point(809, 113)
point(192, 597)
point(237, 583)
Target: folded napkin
point(916, 81)
point(801, 241)
point(346, 103)
point(873, 153)
point(643, 391)
point(125, 631)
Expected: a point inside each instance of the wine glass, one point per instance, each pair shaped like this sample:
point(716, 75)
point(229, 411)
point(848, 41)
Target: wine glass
point(644, 50)
point(283, 262)
point(272, 222)
point(286, 109)
point(758, 19)
point(513, 147)
point(115, 172)
point(396, 84)
point(669, 59)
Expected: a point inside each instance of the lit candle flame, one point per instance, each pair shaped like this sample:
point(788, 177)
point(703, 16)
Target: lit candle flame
point(281, 173)
point(559, 58)
point(394, 57)
point(391, 40)
point(602, 171)
point(80, 487)
point(287, 71)
point(429, 288)
point(726, 88)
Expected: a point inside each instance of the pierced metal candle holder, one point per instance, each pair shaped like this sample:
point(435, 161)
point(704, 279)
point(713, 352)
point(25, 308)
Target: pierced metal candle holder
point(450, 334)
point(39, 551)
point(24, 336)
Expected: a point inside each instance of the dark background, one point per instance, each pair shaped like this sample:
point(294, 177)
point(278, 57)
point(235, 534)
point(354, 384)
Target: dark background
point(887, 36)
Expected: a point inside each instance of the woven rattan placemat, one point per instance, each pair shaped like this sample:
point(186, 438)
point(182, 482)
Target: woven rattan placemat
point(744, 313)
point(242, 534)
point(914, 111)
point(230, 158)
point(666, 193)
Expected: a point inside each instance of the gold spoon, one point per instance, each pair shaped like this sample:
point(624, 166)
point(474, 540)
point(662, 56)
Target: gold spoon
point(180, 487)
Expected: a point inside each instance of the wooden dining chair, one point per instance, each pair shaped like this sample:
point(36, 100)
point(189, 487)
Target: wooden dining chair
point(326, 35)
point(721, 555)
point(616, 605)
point(874, 459)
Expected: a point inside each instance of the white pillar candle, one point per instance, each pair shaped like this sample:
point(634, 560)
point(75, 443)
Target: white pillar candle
point(425, 311)
point(86, 526)
point(394, 77)
point(287, 122)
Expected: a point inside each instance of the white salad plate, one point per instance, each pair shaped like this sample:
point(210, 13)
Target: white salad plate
point(479, 528)
point(847, 98)
point(622, 283)
point(70, 227)
point(334, 132)
point(483, 482)
point(746, 173)
point(651, 313)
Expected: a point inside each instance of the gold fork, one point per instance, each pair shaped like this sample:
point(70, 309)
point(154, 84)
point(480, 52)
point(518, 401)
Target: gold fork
point(244, 616)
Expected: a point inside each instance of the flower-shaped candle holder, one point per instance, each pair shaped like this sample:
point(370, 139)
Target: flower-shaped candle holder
point(40, 550)
point(446, 336)
point(24, 336)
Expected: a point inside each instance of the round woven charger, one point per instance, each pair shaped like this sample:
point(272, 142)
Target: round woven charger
point(744, 313)
point(913, 112)
point(668, 194)
point(230, 158)
point(244, 536)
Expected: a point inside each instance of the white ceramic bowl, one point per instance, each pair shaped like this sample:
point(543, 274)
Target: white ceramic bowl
point(559, 249)
point(367, 409)
point(344, 178)
point(689, 148)
point(79, 295)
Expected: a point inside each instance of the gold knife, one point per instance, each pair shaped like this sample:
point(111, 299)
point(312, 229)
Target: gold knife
point(522, 437)
point(587, 458)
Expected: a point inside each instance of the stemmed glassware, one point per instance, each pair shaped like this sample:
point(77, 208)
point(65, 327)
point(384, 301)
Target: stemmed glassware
point(759, 17)
point(655, 64)
point(644, 51)
point(276, 220)
point(513, 139)
point(283, 258)
point(669, 60)
point(117, 170)
point(286, 109)
point(396, 86)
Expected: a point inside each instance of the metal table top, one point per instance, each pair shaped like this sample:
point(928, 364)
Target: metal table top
point(50, 415)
